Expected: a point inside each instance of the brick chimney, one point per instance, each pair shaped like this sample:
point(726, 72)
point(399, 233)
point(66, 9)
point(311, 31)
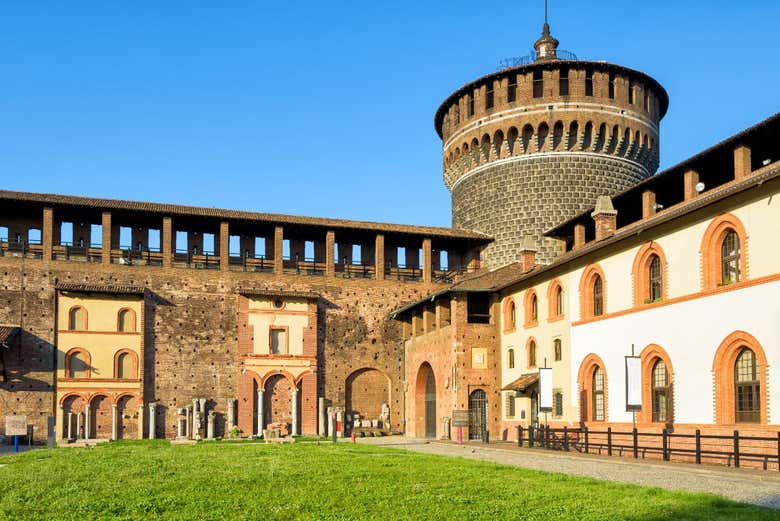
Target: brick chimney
point(648, 204)
point(579, 236)
point(605, 217)
point(527, 254)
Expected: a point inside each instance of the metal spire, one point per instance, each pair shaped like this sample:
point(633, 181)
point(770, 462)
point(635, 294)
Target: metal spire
point(545, 13)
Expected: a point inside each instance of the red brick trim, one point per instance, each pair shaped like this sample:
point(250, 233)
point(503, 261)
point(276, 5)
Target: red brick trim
point(528, 347)
point(640, 274)
point(711, 269)
point(585, 385)
point(587, 280)
point(71, 319)
point(267, 376)
point(134, 322)
point(286, 330)
point(685, 298)
point(87, 361)
point(649, 356)
point(723, 376)
point(133, 358)
point(528, 301)
point(509, 315)
point(119, 396)
point(72, 395)
point(552, 301)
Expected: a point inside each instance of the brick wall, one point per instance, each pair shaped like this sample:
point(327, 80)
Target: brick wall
point(191, 335)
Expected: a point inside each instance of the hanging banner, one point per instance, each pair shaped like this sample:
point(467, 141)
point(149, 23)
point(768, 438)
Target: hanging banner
point(633, 383)
point(545, 389)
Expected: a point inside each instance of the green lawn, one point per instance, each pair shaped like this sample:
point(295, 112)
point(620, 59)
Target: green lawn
point(154, 480)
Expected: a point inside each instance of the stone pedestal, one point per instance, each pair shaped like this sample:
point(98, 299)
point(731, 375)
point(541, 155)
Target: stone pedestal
point(231, 413)
point(321, 423)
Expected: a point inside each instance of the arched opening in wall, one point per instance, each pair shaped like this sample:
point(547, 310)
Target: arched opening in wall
point(587, 137)
point(592, 379)
point(625, 143)
point(485, 149)
point(542, 134)
point(425, 402)
point(77, 319)
point(466, 157)
point(127, 423)
point(601, 138)
point(528, 134)
point(557, 135)
point(741, 380)
point(101, 417)
point(498, 142)
point(78, 363)
point(574, 130)
point(474, 152)
point(511, 139)
point(73, 417)
point(613, 140)
point(477, 414)
point(278, 401)
point(367, 390)
point(657, 390)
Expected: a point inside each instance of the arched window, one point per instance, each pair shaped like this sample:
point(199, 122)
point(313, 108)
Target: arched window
point(125, 365)
point(598, 395)
point(77, 364)
point(511, 357)
point(126, 321)
point(730, 258)
point(554, 300)
point(531, 308)
point(724, 252)
point(598, 296)
point(510, 315)
point(747, 388)
point(532, 353)
point(558, 349)
point(655, 278)
point(660, 383)
point(77, 319)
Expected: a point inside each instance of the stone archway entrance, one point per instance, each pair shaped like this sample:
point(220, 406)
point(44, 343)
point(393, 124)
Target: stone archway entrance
point(425, 401)
point(477, 414)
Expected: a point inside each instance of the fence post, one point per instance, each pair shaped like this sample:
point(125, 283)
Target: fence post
point(519, 435)
point(778, 450)
point(546, 436)
point(636, 443)
point(664, 443)
point(531, 435)
point(609, 441)
point(587, 446)
point(565, 438)
point(736, 449)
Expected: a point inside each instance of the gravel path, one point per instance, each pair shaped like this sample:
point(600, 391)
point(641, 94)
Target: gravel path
point(756, 487)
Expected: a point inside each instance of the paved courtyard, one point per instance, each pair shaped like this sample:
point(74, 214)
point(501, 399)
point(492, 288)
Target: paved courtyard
point(749, 486)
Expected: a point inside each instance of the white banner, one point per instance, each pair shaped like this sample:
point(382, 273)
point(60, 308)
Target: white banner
point(545, 390)
point(633, 383)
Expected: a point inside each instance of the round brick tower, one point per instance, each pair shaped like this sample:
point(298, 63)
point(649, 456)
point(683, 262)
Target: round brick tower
point(535, 143)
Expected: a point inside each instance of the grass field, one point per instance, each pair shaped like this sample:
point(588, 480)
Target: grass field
point(154, 480)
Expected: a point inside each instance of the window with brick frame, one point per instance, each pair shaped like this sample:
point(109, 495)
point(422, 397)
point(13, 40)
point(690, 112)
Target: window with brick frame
point(557, 403)
point(531, 308)
point(660, 387)
point(538, 84)
point(589, 83)
point(592, 292)
point(598, 296)
point(510, 404)
point(724, 252)
point(278, 341)
point(532, 353)
point(597, 390)
point(511, 359)
point(555, 300)
point(558, 349)
point(77, 319)
point(747, 401)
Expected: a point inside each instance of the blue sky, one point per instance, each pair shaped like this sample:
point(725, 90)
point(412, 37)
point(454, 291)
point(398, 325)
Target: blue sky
point(319, 109)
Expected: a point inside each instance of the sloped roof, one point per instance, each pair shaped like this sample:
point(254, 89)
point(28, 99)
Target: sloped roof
point(7, 333)
point(522, 383)
point(114, 289)
point(260, 292)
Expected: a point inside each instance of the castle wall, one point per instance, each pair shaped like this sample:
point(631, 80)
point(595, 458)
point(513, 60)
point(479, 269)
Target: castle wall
point(530, 194)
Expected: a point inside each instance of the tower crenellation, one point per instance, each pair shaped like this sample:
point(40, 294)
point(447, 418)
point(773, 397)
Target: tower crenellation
point(531, 145)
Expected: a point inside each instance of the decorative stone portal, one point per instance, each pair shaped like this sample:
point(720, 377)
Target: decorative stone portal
point(280, 402)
